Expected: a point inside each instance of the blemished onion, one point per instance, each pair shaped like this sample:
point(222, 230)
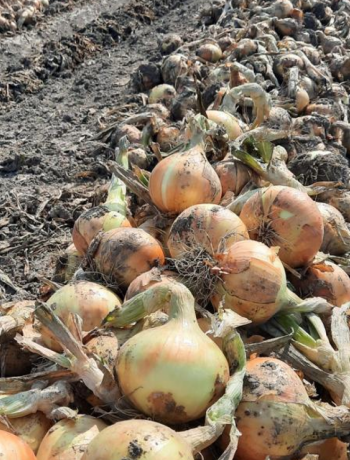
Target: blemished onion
point(148, 279)
point(167, 137)
point(162, 93)
point(105, 347)
point(138, 439)
point(184, 179)
point(12, 447)
point(287, 218)
point(124, 253)
point(325, 280)
point(91, 222)
point(69, 438)
point(233, 175)
point(91, 301)
point(276, 416)
point(174, 67)
point(207, 226)
point(253, 282)
point(31, 428)
point(336, 238)
point(228, 121)
point(173, 372)
point(209, 52)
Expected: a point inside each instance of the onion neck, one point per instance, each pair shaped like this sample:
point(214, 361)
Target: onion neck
point(116, 198)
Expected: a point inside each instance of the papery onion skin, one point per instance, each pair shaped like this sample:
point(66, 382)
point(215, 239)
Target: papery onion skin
point(174, 372)
point(255, 283)
point(69, 438)
point(31, 428)
point(91, 301)
point(148, 279)
point(182, 180)
point(125, 253)
point(91, 222)
point(325, 280)
point(105, 347)
point(209, 226)
point(233, 175)
point(138, 439)
point(13, 447)
point(287, 218)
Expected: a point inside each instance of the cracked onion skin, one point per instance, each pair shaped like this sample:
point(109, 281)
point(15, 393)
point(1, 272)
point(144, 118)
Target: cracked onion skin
point(14, 448)
point(124, 253)
point(138, 439)
point(184, 179)
point(288, 218)
point(174, 372)
point(209, 226)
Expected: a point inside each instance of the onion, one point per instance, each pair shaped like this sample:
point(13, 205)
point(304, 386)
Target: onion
point(13, 447)
point(133, 134)
point(276, 416)
point(105, 347)
point(69, 438)
point(162, 93)
point(138, 157)
point(91, 301)
point(31, 428)
point(91, 222)
point(288, 218)
point(70, 262)
point(233, 175)
point(149, 279)
point(209, 52)
point(174, 67)
point(253, 281)
point(167, 137)
point(174, 372)
point(331, 448)
point(302, 99)
point(133, 439)
point(228, 121)
point(124, 253)
point(184, 179)
point(207, 226)
point(325, 280)
point(336, 238)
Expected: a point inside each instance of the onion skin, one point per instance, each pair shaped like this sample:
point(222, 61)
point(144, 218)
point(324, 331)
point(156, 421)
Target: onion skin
point(149, 279)
point(161, 370)
point(336, 238)
point(31, 428)
point(91, 301)
point(13, 447)
point(331, 448)
point(167, 137)
point(233, 175)
point(105, 347)
point(228, 121)
point(182, 180)
point(91, 222)
point(255, 283)
point(288, 218)
point(209, 226)
point(125, 253)
point(138, 439)
point(69, 439)
point(325, 280)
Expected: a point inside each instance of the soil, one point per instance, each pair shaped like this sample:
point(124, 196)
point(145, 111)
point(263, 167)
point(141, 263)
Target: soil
point(59, 83)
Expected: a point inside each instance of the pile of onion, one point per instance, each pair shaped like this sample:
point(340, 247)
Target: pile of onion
point(174, 372)
point(287, 218)
point(184, 179)
point(69, 438)
point(327, 280)
point(91, 301)
point(124, 253)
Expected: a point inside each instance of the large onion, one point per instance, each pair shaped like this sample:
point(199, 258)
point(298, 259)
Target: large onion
point(336, 238)
point(325, 280)
point(125, 253)
point(184, 179)
point(276, 416)
point(253, 283)
point(91, 301)
point(174, 372)
point(14, 448)
point(138, 439)
point(287, 218)
point(206, 226)
point(69, 438)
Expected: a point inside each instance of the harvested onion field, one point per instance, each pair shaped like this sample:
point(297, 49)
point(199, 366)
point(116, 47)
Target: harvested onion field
point(174, 230)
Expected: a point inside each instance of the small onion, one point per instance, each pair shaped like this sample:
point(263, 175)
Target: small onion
point(13, 447)
point(162, 93)
point(325, 280)
point(228, 121)
point(91, 301)
point(91, 222)
point(124, 253)
point(143, 439)
point(167, 137)
point(138, 157)
point(302, 99)
point(233, 175)
point(131, 132)
point(336, 238)
point(208, 226)
point(105, 347)
point(182, 180)
point(174, 67)
point(149, 279)
point(69, 438)
point(209, 52)
point(287, 218)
